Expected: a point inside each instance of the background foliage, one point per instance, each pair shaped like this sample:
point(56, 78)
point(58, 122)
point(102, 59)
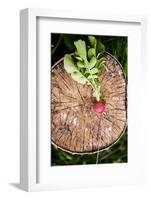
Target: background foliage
point(117, 46)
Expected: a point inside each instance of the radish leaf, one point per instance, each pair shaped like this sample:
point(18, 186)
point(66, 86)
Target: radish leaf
point(81, 49)
point(91, 53)
point(69, 64)
point(79, 77)
point(83, 70)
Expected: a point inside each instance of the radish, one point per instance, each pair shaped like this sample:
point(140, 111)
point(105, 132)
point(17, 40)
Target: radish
point(98, 107)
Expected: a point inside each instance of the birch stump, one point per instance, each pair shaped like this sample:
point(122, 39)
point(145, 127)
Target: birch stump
point(75, 128)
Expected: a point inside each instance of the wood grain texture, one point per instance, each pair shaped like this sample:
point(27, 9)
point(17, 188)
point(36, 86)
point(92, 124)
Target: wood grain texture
point(75, 128)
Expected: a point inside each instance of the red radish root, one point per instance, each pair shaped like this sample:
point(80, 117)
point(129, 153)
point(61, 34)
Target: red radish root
point(98, 107)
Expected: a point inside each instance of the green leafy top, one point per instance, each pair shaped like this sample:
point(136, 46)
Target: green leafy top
point(85, 66)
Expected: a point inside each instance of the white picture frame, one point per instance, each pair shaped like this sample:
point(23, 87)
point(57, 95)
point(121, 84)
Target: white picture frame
point(30, 164)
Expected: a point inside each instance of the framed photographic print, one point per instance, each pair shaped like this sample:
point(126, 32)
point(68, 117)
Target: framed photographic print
point(81, 79)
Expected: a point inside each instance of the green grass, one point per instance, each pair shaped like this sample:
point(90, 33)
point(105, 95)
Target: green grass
point(117, 46)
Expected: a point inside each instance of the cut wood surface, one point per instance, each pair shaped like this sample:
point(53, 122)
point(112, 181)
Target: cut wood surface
point(75, 128)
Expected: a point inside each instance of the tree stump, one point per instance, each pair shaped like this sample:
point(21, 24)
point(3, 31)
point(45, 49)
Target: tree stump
point(75, 127)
